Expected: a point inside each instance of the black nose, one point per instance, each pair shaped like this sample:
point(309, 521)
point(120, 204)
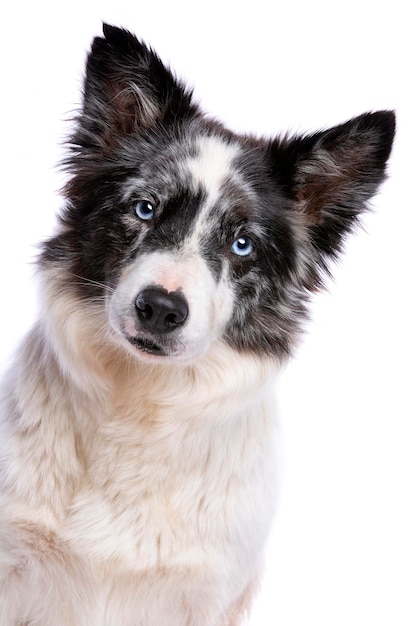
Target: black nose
point(160, 310)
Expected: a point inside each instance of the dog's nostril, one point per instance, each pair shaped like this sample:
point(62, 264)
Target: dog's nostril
point(145, 310)
point(160, 310)
point(173, 319)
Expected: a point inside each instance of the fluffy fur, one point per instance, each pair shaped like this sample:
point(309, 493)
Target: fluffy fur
point(137, 423)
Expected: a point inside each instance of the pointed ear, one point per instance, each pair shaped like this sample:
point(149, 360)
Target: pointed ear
point(330, 175)
point(126, 88)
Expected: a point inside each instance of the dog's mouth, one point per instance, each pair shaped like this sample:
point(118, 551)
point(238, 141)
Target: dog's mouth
point(147, 346)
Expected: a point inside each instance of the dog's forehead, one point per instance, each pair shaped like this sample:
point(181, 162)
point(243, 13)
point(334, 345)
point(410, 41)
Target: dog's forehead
point(212, 164)
point(200, 165)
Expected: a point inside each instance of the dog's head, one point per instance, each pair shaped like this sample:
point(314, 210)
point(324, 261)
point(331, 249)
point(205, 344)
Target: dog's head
point(190, 234)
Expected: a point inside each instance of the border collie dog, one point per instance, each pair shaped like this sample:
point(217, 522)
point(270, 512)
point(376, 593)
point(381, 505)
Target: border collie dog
point(137, 458)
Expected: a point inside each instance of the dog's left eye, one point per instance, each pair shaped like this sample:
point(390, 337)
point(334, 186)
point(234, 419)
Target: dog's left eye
point(145, 210)
point(242, 246)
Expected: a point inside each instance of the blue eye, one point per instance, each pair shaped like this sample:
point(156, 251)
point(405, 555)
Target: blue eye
point(242, 246)
point(145, 210)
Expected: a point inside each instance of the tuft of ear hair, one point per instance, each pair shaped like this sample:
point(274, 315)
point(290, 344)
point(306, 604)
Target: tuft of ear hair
point(331, 175)
point(126, 88)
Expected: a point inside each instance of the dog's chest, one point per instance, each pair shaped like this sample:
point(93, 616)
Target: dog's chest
point(158, 495)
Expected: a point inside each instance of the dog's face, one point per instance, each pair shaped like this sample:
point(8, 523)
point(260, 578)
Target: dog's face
point(177, 293)
point(190, 234)
point(199, 261)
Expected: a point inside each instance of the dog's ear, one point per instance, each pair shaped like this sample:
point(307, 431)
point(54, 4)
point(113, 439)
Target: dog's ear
point(126, 88)
point(330, 176)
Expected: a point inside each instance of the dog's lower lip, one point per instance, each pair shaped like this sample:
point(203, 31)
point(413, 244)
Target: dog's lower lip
point(145, 345)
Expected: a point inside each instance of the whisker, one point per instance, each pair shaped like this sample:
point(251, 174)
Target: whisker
point(89, 281)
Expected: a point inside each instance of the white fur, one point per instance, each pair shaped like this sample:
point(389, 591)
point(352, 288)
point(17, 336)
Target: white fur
point(132, 494)
point(212, 165)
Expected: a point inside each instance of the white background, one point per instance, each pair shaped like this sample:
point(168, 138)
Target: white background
point(344, 546)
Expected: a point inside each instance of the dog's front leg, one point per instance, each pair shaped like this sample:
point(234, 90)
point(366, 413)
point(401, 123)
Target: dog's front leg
point(41, 582)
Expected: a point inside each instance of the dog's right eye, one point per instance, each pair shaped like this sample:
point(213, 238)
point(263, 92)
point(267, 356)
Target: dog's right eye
point(145, 210)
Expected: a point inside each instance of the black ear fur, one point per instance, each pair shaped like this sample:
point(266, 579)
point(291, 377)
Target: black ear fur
point(126, 88)
point(330, 175)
